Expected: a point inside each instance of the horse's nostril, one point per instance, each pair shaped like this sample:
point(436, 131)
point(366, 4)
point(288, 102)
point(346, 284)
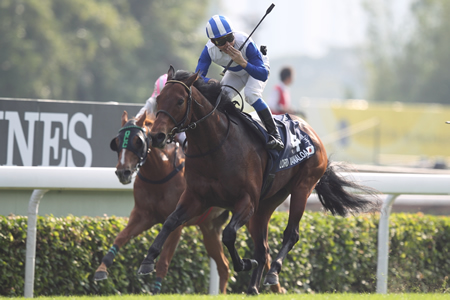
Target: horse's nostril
point(122, 174)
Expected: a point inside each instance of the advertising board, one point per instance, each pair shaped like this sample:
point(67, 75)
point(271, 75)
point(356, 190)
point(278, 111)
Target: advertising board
point(59, 133)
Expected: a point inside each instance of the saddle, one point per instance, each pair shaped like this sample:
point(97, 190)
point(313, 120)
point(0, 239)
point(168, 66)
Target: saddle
point(298, 146)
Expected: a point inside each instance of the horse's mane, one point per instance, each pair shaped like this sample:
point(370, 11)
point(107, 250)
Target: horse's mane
point(211, 90)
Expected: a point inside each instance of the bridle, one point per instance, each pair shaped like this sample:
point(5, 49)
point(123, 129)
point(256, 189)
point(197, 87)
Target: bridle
point(180, 126)
point(134, 130)
point(125, 136)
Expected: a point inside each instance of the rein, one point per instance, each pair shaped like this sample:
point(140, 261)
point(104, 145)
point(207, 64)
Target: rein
point(241, 109)
point(169, 176)
point(212, 150)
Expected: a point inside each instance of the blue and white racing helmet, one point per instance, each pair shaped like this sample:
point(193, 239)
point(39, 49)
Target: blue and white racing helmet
point(218, 26)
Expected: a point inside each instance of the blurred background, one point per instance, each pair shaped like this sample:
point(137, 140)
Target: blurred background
point(371, 76)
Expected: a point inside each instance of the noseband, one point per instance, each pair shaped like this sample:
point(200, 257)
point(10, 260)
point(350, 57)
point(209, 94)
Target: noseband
point(179, 126)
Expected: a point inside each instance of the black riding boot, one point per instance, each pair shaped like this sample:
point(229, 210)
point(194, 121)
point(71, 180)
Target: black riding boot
point(275, 140)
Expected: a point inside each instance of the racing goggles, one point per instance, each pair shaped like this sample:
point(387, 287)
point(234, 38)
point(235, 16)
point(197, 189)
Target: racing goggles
point(223, 40)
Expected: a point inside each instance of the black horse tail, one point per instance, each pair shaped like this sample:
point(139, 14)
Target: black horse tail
point(339, 201)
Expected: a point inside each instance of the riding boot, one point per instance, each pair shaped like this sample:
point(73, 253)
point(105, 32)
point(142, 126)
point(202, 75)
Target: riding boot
point(274, 140)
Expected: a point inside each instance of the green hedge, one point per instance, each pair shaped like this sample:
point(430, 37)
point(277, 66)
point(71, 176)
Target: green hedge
point(334, 254)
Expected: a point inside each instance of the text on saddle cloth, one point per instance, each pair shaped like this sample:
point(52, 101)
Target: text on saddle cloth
point(298, 146)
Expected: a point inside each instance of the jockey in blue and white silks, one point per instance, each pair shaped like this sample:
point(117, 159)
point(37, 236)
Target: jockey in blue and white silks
point(249, 69)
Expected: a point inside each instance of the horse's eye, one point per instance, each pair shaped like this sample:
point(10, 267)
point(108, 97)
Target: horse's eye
point(180, 102)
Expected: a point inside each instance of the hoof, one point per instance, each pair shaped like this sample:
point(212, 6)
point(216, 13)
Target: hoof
point(271, 279)
point(101, 275)
point(249, 264)
point(146, 269)
point(277, 289)
point(252, 291)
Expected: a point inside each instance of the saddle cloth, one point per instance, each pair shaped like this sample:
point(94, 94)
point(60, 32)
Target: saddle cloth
point(298, 146)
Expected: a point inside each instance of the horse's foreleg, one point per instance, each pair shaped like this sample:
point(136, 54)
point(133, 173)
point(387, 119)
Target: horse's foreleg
point(213, 245)
point(241, 215)
point(181, 214)
point(162, 266)
point(291, 233)
point(258, 228)
point(137, 223)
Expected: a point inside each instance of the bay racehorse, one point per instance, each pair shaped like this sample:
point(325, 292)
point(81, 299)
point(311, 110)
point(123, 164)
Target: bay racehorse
point(225, 167)
point(157, 189)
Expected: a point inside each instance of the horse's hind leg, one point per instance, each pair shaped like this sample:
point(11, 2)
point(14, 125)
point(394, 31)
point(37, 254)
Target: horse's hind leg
point(162, 265)
point(275, 288)
point(213, 245)
point(258, 228)
point(137, 223)
point(299, 197)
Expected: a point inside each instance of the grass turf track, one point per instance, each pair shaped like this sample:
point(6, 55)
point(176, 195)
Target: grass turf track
point(431, 296)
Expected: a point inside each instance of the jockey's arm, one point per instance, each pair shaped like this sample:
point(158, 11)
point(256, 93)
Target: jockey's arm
point(203, 64)
point(255, 65)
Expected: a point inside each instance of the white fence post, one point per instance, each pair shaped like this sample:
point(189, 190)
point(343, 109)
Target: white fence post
point(33, 207)
point(383, 244)
point(213, 278)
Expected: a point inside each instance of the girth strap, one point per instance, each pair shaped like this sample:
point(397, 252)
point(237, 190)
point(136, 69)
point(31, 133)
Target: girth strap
point(203, 217)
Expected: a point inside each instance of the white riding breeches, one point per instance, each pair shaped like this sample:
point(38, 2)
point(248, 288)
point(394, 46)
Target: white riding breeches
point(253, 88)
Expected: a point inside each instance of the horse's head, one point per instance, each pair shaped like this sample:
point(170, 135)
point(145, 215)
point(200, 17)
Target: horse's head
point(173, 108)
point(132, 146)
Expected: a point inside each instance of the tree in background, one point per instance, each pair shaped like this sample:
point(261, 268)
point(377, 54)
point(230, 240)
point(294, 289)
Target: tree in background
point(409, 63)
point(94, 50)
point(170, 29)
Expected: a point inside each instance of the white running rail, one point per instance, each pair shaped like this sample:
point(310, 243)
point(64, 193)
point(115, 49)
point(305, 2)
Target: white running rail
point(39, 180)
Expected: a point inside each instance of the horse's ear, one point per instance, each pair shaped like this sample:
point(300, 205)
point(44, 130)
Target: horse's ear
point(193, 78)
point(170, 73)
point(124, 117)
point(149, 120)
point(141, 119)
